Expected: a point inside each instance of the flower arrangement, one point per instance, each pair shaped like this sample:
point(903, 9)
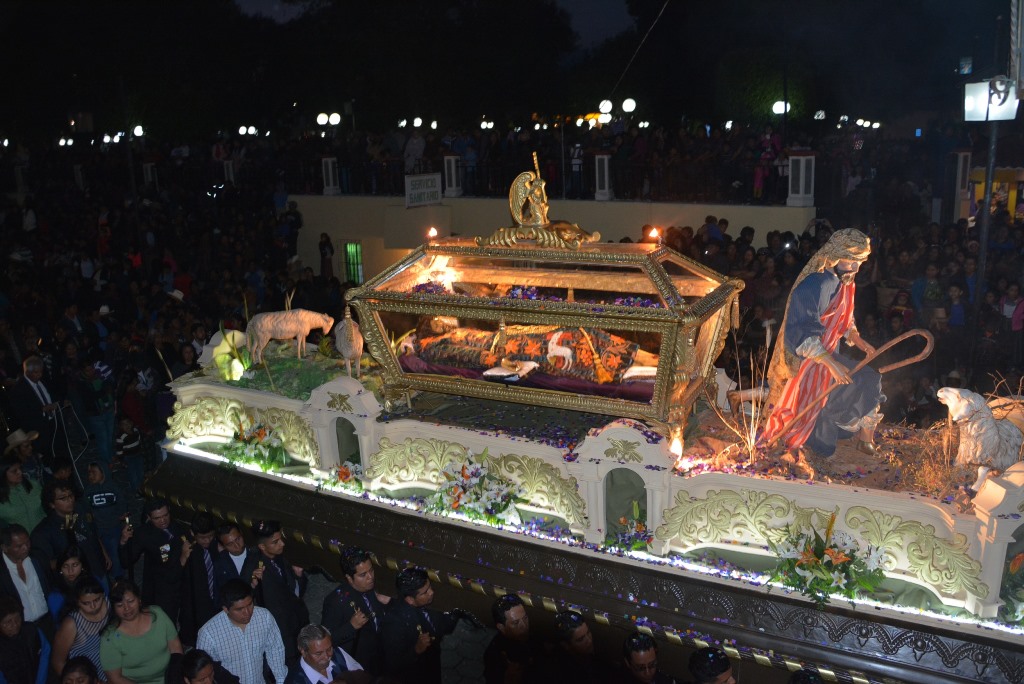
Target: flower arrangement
point(258, 445)
point(636, 536)
point(820, 566)
point(469, 488)
point(1012, 591)
point(347, 476)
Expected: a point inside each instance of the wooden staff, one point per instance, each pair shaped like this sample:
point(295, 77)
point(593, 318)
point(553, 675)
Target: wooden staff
point(929, 344)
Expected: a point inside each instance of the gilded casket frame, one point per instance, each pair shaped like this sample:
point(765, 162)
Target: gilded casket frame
point(698, 307)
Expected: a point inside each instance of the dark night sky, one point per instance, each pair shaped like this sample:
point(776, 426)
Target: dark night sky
point(712, 60)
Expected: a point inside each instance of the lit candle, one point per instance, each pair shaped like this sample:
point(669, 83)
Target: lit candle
point(655, 235)
point(432, 233)
point(676, 447)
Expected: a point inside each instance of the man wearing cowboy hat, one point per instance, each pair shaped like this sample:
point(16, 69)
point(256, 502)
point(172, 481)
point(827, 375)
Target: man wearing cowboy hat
point(20, 443)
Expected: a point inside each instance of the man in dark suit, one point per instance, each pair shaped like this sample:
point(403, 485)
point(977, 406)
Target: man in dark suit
point(281, 585)
point(35, 407)
point(229, 562)
point(322, 662)
point(64, 526)
point(165, 549)
point(353, 612)
point(25, 577)
point(201, 596)
point(410, 638)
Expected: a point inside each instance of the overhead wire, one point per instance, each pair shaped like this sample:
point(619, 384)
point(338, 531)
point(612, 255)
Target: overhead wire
point(637, 51)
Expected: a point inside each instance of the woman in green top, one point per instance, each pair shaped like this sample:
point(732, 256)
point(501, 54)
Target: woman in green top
point(137, 644)
point(20, 500)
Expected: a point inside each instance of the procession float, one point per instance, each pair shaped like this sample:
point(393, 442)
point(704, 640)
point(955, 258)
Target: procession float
point(535, 411)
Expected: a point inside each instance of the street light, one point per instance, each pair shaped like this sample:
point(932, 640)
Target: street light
point(605, 107)
point(780, 107)
point(322, 119)
point(992, 101)
point(334, 119)
point(628, 105)
point(137, 131)
point(417, 122)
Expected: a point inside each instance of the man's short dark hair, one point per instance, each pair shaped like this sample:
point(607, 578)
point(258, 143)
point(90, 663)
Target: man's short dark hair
point(234, 590)
point(226, 529)
point(50, 489)
point(203, 523)
point(155, 504)
point(351, 557)
point(410, 580)
point(7, 534)
point(265, 529)
point(566, 623)
point(638, 642)
point(707, 664)
point(500, 608)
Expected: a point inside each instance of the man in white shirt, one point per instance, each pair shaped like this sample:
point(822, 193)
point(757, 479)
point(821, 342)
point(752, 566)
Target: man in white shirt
point(322, 663)
point(25, 577)
point(228, 563)
point(242, 635)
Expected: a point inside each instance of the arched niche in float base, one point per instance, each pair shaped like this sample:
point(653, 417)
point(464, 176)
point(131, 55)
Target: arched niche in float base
point(622, 487)
point(348, 441)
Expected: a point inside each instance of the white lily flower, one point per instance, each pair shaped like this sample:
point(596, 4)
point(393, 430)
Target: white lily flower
point(875, 558)
point(838, 580)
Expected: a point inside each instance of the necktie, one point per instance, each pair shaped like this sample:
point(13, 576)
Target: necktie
point(208, 561)
point(43, 394)
point(373, 613)
point(426, 617)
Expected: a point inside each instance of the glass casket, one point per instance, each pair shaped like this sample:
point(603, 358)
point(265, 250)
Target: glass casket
point(628, 330)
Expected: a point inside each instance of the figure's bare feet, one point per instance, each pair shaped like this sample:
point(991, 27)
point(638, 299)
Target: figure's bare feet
point(799, 462)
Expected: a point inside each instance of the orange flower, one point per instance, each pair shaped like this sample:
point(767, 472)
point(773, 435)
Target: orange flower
point(1015, 564)
point(623, 521)
point(640, 527)
point(836, 556)
point(807, 557)
point(465, 474)
point(344, 474)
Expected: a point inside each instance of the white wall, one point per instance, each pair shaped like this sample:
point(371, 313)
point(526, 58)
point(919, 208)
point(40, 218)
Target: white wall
point(387, 230)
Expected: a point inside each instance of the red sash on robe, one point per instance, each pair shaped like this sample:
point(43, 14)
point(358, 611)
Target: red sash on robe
point(812, 378)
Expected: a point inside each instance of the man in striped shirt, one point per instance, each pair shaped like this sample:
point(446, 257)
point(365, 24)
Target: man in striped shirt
point(242, 635)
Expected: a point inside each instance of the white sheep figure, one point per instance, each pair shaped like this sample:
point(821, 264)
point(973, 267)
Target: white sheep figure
point(284, 325)
point(349, 342)
point(985, 441)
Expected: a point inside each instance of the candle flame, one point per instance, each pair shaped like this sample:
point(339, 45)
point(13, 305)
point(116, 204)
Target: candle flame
point(676, 447)
point(654, 234)
point(432, 233)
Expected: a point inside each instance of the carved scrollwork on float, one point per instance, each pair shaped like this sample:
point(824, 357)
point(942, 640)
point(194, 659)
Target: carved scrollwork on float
point(297, 434)
point(944, 564)
point(207, 416)
point(723, 516)
point(544, 486)
point(414, 460)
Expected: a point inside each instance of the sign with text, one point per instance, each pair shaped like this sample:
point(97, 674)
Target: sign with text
point(422, 189)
